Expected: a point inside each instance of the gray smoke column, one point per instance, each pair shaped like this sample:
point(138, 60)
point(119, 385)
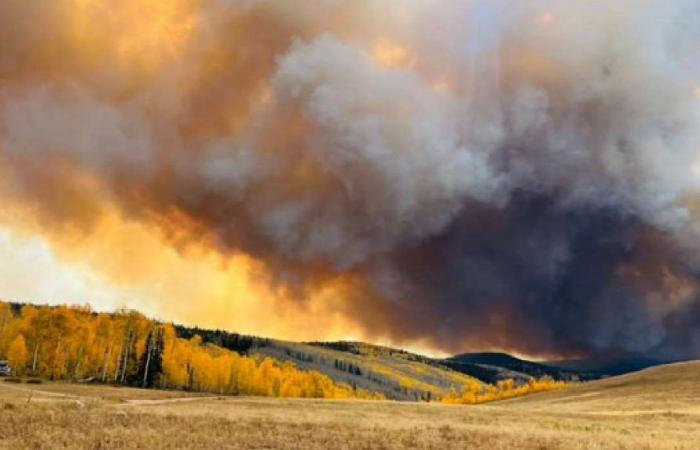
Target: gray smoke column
point(513, 175)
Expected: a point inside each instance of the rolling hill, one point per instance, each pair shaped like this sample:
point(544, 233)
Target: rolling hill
point(398, 374)
point(667, 389)
point(404, 375)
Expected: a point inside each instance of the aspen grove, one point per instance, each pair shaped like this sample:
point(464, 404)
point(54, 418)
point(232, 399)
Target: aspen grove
point(126, 348)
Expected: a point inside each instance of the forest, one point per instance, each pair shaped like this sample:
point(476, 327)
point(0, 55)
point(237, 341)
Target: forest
point(126, 348)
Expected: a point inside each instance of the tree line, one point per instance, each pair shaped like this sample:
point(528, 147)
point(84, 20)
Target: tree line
point(126, 348)
point(474, 393)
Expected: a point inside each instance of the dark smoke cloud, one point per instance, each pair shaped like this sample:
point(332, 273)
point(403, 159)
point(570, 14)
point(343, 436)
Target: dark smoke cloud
point(533, 276)
point(496, 175)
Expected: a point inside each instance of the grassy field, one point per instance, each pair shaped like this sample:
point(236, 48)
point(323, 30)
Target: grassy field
point(654, 409)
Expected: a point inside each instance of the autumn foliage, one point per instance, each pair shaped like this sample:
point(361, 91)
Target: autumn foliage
point(75, 343)
point(474, 393)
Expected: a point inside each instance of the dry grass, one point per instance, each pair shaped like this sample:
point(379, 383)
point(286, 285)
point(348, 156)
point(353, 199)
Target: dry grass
point(656, 409)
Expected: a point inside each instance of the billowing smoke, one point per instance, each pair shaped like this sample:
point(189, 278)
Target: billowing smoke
point(487, 174)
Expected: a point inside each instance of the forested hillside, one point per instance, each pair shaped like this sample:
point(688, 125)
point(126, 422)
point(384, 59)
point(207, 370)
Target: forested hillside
point(124, 347)
point(397, 374)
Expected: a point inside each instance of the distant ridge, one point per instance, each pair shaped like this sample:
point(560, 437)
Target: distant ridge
point(498, 366)
point(611, 366)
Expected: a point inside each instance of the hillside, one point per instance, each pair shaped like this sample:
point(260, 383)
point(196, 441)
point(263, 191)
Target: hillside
point(404, 375)
point(397, 374)
point(669, 389)
point(490, 367)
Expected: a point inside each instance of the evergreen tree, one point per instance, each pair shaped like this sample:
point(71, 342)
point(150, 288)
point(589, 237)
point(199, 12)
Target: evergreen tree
point(150, 365)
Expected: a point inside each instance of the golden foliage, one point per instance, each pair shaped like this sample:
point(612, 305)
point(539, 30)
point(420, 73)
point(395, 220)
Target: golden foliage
point(17, 352)
point(77, 343)
point(474, 393)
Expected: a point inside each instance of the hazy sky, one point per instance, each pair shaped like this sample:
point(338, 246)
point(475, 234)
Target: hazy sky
point(32, 273)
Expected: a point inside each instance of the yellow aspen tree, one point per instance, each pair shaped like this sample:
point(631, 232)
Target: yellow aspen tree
point(17, 354)
point(5, 319)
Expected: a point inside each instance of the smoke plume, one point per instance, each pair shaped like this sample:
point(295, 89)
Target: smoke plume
point(475, 174)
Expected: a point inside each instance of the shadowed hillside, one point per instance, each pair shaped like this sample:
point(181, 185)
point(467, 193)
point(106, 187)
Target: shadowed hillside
point(494, 367)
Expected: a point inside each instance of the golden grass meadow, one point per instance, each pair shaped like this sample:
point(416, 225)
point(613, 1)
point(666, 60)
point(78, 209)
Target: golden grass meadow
point(652, 409)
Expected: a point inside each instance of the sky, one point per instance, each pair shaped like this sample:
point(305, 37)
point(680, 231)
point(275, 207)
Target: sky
point(31, 272)
point(441, 175)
